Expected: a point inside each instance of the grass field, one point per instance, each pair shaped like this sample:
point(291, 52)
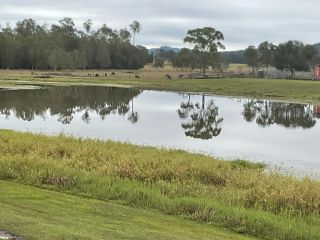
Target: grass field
point(41, 214)
point(278, 89)
point(237, 195)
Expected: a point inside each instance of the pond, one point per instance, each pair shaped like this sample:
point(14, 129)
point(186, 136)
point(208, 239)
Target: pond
point(277, 133)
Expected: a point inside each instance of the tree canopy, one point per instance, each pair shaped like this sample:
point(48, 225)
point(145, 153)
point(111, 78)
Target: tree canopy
point(135, 28)
point(59, 46)
point(206, 42)
point(251, 56)
point(291, 55)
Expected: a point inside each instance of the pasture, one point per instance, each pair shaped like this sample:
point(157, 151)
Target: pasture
point(304, 91)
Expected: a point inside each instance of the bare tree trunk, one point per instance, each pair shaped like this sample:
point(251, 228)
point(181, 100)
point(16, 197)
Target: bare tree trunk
point(203, 102)
point(134, 36)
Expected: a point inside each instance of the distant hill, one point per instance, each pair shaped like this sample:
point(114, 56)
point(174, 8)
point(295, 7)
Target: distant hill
point(230, 56)
point(233, 56)
point(165, 48)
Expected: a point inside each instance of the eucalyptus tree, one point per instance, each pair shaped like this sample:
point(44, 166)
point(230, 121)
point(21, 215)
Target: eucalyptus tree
point(158, 63)
point(87, 25)
point(185, 59)
point(206, 42)
point(124, 35)
point(65, 34)
point(105, 33)
point(311, 55)
point(32, 44)
point(7, 47)
point(289, 55)
point(266, 52)
point(135, 28)
point(251, 55)
point(103, 58)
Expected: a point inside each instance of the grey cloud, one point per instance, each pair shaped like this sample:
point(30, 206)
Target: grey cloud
point(245, 22)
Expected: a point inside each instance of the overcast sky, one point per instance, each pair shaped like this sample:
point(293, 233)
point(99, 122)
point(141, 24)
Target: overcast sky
point(165, 22)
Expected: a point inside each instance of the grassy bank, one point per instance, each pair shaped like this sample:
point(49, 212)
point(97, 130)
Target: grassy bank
point(278, 89)
point(33, 213)
point(236, 195)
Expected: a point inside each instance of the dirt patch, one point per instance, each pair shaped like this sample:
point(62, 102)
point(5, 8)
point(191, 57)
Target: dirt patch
point(8, 236)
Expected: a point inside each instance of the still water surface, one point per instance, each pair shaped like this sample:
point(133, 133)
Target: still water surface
point(281, 134)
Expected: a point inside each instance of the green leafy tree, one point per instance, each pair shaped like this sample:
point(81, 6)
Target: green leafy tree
point(266, 51)
point(311, 55)
point(66, 34)
point(220, 64)
point(124, 35)
point(60, 46)
point(289, 55)
point(103, 55)
point(251, 55)
point(106, 33)
point(8, 47)
point(206, 43)
point(185, 59)
point(78, 59)
point(60, 59)
point(159, 63)
point(134, 62)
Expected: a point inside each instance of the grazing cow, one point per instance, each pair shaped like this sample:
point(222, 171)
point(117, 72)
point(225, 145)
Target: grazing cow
point(97, 75)
point(113, 74)
point(137, 76)
point(181, 76)
point(168, 76)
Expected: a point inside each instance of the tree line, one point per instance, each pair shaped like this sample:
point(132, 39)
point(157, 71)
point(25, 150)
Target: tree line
point(62, 46)
point(291, 56)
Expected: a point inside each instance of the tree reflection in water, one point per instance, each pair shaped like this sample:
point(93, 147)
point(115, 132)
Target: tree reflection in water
point(65, 102)
point(133, 116)
point(200, 120)
point(289, 115)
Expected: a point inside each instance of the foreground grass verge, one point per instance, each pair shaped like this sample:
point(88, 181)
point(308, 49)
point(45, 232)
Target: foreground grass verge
point(236, 195)
point(277, 89)
point(33, 213)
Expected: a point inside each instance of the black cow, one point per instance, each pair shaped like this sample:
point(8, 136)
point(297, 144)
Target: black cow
point(168, 76)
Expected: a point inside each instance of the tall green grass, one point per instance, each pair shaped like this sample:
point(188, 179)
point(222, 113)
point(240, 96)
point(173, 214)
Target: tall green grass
point(237, 195)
